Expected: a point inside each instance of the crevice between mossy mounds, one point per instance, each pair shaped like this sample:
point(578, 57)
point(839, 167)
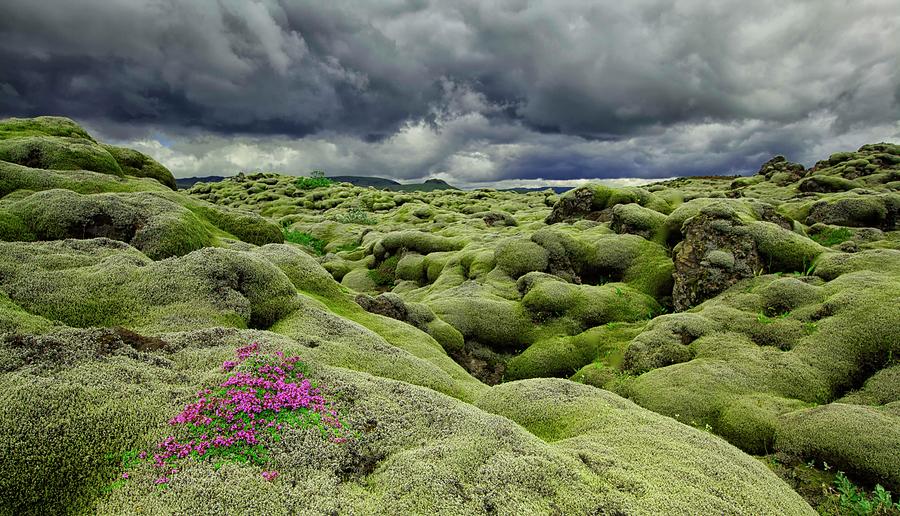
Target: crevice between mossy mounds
point(867, 369)
point(482, 362)
point(69, 344)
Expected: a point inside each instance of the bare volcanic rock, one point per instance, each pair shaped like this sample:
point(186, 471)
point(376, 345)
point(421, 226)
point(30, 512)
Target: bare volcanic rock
point(785, 170)
point(718, 250)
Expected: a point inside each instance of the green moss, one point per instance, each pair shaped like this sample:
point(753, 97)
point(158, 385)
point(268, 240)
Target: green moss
point(137, 164)
point(15, 320)
point(881, 388)
point(59, 154)
point(42, 126)
point(822, 433)
point(584, 421)
point(823, 183)
point(248, 227)
point(784, 250)
point(517, 257)
point(588, 305)
point(596, 374)
point(665, 341)
point(563, 356)
point(856, 211)
point(832, 265)
point(359, 280)
point(305, 239)
point(420, 242)
point(637, 220)
point(60, 433)
point(779, 358)
point(14, 177)
point(306, 274)
point(643, 265)
point(385, 273)
point(155, 225)
point(490, 320)
point(13, 228)
point(102, 283)
point(411, 267)
point(829, 236)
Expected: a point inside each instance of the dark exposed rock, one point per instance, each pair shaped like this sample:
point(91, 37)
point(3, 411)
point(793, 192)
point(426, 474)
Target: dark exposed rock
point(387, 304)
point(497, 218)
point(717, 252)
point(779, 164)
point(767, 213)
point(577, 203)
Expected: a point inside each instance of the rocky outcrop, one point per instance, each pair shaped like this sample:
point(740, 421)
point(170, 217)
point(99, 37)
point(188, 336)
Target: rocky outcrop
point(787, 170)
point(718, 250)
point(387, 304)
point(576, 203)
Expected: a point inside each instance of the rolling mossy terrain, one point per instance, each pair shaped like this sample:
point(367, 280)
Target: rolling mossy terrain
point(697, 346)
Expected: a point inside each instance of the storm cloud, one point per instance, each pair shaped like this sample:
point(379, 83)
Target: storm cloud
point(471, 91)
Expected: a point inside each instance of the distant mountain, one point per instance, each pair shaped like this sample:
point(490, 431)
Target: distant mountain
point(557, 189)
point(389, 184)
point(363, 181)
point(186, 182)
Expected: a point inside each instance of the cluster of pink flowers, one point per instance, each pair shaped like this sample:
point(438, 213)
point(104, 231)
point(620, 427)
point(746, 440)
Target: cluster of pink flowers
point(235, 420)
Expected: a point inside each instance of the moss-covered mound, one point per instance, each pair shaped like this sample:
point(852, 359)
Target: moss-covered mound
point(57, 143)
point(55, 187)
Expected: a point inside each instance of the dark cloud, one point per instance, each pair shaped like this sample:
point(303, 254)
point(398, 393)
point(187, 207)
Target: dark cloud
point(512, 88)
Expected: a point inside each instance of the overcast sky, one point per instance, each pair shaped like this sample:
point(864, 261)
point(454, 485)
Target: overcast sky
point(470, 91)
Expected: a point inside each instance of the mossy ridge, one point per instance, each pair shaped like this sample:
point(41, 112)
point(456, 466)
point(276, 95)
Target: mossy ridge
point(17, 177)
point(59, 153)
point(160, 223)
point(42, 126)
point(821, 433)
point(138, 164)
point(102, 283)
point(565, 356)
point(58, 143)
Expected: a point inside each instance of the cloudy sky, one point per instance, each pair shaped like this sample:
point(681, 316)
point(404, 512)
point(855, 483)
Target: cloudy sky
point(470, 91)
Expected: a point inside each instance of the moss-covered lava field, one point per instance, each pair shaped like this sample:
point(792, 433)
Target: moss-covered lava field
point(714, 345)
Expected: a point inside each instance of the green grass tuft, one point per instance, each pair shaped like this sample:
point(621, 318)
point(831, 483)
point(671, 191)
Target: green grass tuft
point(305, 239)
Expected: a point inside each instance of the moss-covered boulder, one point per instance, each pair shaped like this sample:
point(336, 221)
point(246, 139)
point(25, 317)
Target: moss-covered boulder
point(594, 202)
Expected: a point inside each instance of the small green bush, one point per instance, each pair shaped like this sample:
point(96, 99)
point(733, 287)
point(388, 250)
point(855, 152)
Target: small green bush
point(385, 274)
point(856, 501)
point(356, 215)
point(316, 179)
point(832, 236)
point(305, 239)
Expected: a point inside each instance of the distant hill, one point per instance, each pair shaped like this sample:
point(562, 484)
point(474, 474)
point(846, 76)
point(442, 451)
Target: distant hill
point(376, 182)
point(186, 182)
point(557, 189)
point(389, 184)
